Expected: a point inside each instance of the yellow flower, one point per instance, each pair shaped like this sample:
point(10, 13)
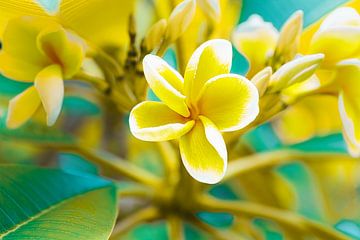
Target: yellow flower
point(38, 50)
point(104, 25)
point(262, 45)
point(197, 108)
point(348, 75)
point(338, 36)
point(256, 40)
point(317, 115)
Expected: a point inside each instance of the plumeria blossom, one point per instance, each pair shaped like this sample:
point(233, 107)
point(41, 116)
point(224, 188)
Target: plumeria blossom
point(40, 51)
point(262, 44)
point(338, 37)
point(197, 108)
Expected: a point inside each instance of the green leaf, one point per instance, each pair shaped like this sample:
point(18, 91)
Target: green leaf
point(44, 204)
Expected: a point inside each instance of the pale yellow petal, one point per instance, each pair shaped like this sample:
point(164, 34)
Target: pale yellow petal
point(338, 37)
point(19, 51)
point(349, 103)
point(337, 43)
point(212, 58)
point(344, 16)
point(63, 48)
point(289, 38)
point(50, 86)
point(203, 152)
point(295, 125)
point(18, 69)
point(256, 40)
point(154, 121)
point(261, 80)
point(166, 83)
point(230, 101)
point(22, 107)
point(295, 71)
point(109, 21)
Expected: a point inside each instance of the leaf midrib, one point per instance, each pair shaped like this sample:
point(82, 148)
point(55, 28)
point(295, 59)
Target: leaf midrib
point(49, 209)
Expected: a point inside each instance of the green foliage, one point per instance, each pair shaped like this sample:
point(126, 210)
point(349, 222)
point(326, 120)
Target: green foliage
point(44, 204)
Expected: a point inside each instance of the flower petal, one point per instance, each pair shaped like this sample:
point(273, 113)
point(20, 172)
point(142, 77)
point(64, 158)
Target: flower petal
point(230, 101)
point(62, 47)
point(166, 83)
point(338, 36)
point(154, 121)
point(17, 68)
point(22, 107)
point(50, 86)
point(110, 23)
point(256, 40)
point(337, 44)
point(203, 152)
point(349, 104)
point(19, 51)
point(212, 58)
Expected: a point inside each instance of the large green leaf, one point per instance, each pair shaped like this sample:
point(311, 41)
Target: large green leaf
point(45, 204)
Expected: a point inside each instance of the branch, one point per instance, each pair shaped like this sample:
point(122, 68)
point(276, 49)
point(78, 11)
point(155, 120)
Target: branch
point(283, 217)
point(213, 232)
point(175, 228)
point(264, 160)
point(143, 215)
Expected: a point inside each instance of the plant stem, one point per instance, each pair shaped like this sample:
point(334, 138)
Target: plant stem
point(263, 160)
point(175, 228)
point(171, 162)
point(213, 232)
point(111, 162)
point(143, 215)
point(283, 217)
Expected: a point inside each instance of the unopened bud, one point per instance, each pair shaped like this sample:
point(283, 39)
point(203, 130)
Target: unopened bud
point(295, 71)
point(211, 9)
point(156, 34)
point(180, 19)
point(289, 38)
point(261, 80)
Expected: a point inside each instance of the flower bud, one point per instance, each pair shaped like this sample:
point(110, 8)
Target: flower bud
point(211, 9)
point(295, 71)
point(156, 34)
point(261, 80)
point(180, 19)
point(289, 38)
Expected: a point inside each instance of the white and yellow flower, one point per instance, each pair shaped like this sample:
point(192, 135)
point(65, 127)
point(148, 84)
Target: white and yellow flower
point(197, 108)
point(41, 51)
point(263, 45)
point(338, 38)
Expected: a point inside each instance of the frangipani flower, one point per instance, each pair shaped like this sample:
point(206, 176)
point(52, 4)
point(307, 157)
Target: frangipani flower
point(38, 50)
point(262, 45)
point(348, 76)
point(256, 40)
point(197, 108)
point(338, 36)
point(101, 24)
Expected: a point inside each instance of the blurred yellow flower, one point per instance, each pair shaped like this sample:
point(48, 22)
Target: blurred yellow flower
point(262, 45)
point(338, 37)
point(38, 50)
point(197, 108)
